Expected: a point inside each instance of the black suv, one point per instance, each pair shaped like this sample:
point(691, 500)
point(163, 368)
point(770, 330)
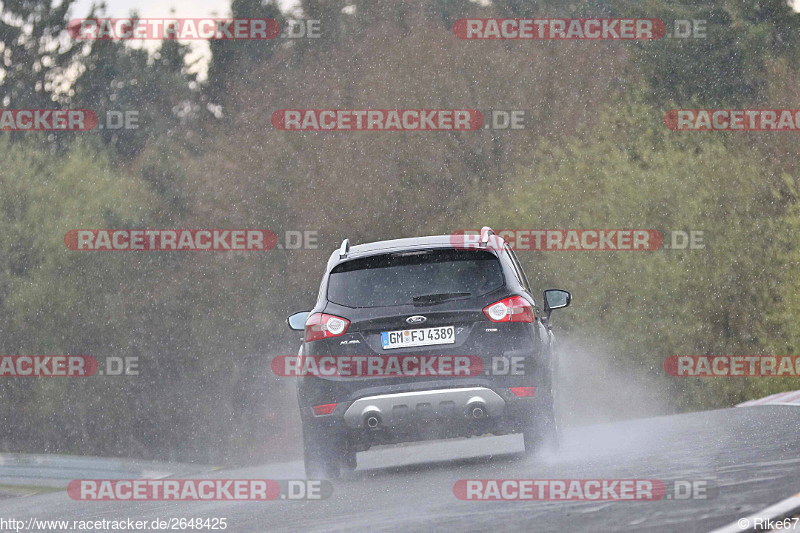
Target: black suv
point(445, 299)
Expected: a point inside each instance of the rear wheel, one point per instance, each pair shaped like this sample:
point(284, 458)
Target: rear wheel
point(349, 462)
point(326, 453)
point(542, 434)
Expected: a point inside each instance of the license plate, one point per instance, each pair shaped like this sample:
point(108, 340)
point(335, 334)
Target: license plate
point(418, 337)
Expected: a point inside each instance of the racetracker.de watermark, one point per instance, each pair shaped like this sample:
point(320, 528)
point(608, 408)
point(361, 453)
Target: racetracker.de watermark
point(688, 29)
point(362, 366)
point(170, 239)
point(198, 489)
point(66, 366)
point(173, 28)
point(47, 119)
point(563, 239)
point(550, 240)
point(582, 490)
point(642, 29)
point(66, 120)
point(732, 365)
point(733, 119)
point(377, 119)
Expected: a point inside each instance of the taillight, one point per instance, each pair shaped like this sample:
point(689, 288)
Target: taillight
point(322, 326)
point(324, 409)
point(513, 309)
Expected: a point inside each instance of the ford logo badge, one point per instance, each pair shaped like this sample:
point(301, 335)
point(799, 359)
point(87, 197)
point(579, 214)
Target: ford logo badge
point(416, 319)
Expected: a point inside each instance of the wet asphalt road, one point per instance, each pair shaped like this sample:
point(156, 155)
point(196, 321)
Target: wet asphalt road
point(750, 455)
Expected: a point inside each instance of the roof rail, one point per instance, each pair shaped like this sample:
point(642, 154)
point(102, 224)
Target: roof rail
point(485, 232)
point(344, 249)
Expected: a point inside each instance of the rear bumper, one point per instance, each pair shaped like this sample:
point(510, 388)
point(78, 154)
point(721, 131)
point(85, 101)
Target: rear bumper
point(391, 417)
point(393, 410)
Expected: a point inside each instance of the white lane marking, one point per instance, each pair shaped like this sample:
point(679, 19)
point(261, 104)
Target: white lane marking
point(781, 509)
point(791, 397)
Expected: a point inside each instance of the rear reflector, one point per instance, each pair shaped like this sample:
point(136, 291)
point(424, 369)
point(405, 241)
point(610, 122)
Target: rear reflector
point(523, 392)
point(325, 409)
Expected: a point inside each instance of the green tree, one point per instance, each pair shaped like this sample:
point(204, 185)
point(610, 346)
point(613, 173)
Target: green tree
point(35, 52)
point(232, 62)
point(156, 87)
point(631, 172)
point(728, 66)
point(57, 301)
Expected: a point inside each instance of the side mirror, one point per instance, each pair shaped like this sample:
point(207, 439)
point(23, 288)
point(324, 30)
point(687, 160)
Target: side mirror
point(556, 299)
point(297, 321)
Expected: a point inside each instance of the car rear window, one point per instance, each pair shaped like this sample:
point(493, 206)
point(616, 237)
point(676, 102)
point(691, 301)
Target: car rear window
point(419, 277)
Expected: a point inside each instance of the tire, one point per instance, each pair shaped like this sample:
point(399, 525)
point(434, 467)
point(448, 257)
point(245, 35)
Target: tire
point(349, 462)
point(542, 434)
point(326, 453)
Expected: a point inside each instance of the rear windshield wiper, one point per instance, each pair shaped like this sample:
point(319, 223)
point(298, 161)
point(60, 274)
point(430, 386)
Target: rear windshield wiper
point(439, 297)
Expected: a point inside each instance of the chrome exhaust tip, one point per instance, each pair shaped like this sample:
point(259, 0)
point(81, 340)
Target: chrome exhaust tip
point(477, 411)
point(372, 421)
